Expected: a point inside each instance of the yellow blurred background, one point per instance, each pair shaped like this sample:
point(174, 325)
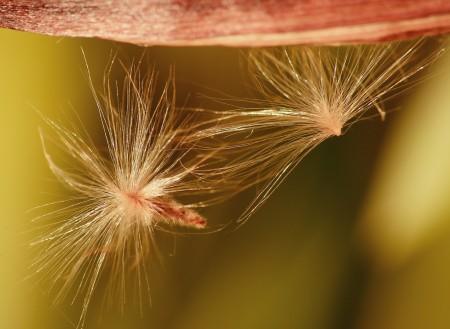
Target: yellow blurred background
point(358, 236)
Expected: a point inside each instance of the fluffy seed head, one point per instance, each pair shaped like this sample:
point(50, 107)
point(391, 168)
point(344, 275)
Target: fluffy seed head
point(120, 195)
point(310, 93)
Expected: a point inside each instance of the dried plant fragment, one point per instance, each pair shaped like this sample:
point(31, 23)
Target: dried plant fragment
point(229, 22)
point(120, 196)
point(310, 94)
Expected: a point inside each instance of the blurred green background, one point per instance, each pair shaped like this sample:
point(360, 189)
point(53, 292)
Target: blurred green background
point(358, 236)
